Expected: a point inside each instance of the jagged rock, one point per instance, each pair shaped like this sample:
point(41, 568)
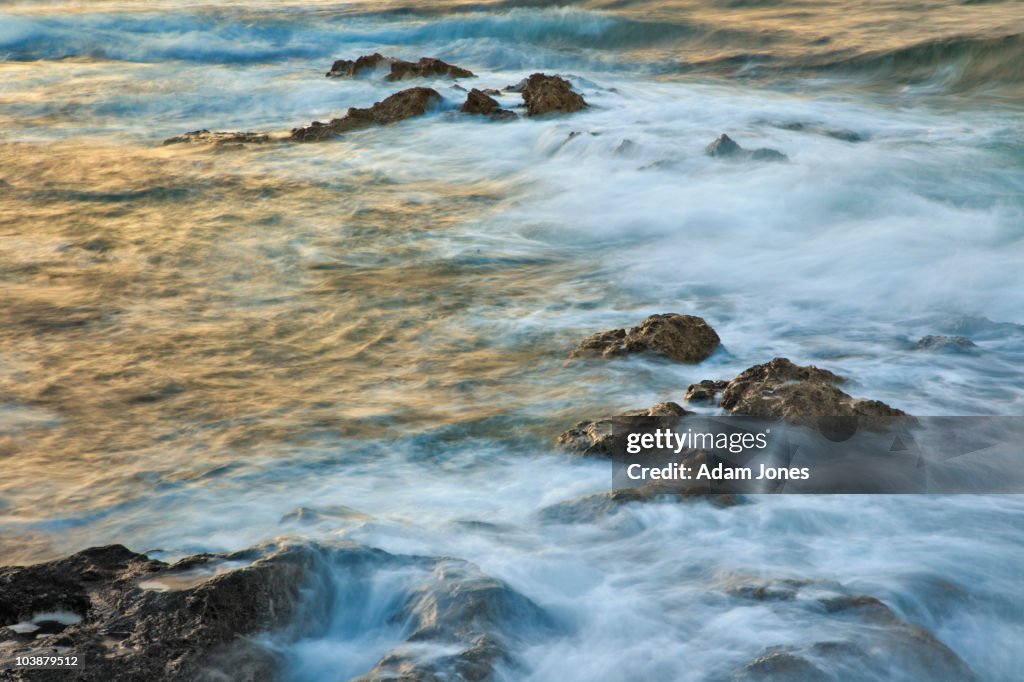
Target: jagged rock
point(706, 391)
point(545, 94)
point(683, 338)
point(780, 388)
point(132, 618)
point(348, 68)
point(727, 148)
point(602, 437)
point(218, 138)
point(952, 344)
point(479, 103)
point(781, 666)
point(397, 107)
point(426, 67)
point(399, 68)
point(126, 630)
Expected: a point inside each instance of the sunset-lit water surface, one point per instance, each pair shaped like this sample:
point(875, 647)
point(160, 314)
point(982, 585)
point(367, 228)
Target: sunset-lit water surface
point(195, 341)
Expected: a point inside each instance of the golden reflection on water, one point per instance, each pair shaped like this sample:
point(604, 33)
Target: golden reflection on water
point(163, 308)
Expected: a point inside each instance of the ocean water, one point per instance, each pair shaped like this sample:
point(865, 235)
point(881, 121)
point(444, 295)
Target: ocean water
point(195, 342)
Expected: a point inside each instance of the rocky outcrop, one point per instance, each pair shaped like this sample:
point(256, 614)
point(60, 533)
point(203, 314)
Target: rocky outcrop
point(132, 618)
point(602, 437)
point(426, 67)
point(397, 107)
point(878, 638)
point(122, 615)
point(545, 94)
point(724, 147)
point(683, 338)
point(947, 344)
point(478, 102)
point(218, 138)
point(592, 508)
point(780, 388)
point(705, 391)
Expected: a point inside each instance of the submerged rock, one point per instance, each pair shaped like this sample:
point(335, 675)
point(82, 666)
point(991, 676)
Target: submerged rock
point(836, 133)
point(477, 102)
point(780, 388)
point(399, 68)
point(706, 391)
point(545, 94)
point(683, 338)
point(727, 148)
point(397, 107)
point(952, 344)
point(602, 437)
point(218, 138)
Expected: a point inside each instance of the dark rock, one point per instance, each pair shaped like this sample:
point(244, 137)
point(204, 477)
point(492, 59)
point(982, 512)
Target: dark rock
point(836, 133)
point(683, 338)
point(724, 147)
point(479, 103)
point(782, 389)
point(218, 138)
point(952, 344)
point(591, 508)
point(426, 67)
point(397, 107)
point(602, 437)
point(705, 392)
point(781, 666)
point(348, 68)
point(545, 94)
point(125, 631)
point(517, 87)
point(491, 91)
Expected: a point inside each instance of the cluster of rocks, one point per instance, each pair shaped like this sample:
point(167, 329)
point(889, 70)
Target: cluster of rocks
point(542, 94)
point(399, 69)
point(778, 389)
point(130, 617)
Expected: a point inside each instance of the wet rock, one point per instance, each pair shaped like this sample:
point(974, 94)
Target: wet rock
point(947, 344)
point(836, 133)
point(780, 388)
point(781, 666)
point(517, 87)
point(724, 147)
point(545, 94)
point(602, 437)
point(683, 338)
point(491, 91)
point(426, 67)
point(591, 508)
point(349, 68)
point(126, 631)
point(479, 103)
point(200, 619)
point(219, 138)
point(706, 391)
point(397, 107)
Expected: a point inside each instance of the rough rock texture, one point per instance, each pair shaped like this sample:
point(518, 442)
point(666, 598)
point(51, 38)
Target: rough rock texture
point(706, 391)
point(683, 338)
point(218, 138)
point(545, 94)
point(724, 147)
point(424, 68)
point(195, 621)
point(348, 68)
point(602, 437)
point(950, 344)
point(592, 508)
point(197, 632)
point(877, 638)
point(477, 102)
point(780, 388)
point(397, 107)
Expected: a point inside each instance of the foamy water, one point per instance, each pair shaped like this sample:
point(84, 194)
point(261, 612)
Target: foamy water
point(374, 329)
